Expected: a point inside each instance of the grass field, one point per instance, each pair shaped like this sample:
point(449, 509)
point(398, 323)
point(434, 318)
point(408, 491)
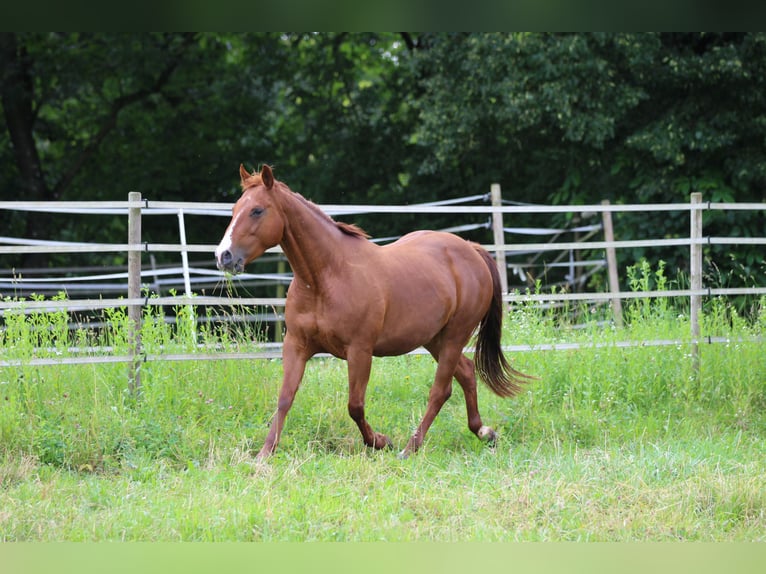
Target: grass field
point(612, 444)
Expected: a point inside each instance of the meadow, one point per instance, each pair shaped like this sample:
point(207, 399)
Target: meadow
point(613, 443)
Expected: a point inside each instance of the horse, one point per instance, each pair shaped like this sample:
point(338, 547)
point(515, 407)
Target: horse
point(354, 299)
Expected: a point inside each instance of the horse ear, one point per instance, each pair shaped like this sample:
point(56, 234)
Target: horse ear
point(267, 177)
point(243, 175)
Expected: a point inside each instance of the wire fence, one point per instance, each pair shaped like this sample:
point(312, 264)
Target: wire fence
point(192, 279)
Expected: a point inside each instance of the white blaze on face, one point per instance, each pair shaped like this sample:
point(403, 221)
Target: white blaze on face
point(225, 244)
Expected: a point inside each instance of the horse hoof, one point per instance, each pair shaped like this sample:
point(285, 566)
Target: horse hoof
point(488, 435)
point(263, 455)
point(382, 441)
point(403, 455)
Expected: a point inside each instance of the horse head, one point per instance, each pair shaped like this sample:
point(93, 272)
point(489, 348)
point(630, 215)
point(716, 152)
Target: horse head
point(257, 222)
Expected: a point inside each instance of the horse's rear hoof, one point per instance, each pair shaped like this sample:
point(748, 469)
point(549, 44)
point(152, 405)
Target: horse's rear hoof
point(264, 454)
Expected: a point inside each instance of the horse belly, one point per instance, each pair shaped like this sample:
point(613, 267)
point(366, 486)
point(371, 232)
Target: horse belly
point(416, 314)
point(390, 346)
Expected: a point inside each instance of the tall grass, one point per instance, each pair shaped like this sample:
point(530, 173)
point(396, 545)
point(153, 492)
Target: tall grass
point(613, 443)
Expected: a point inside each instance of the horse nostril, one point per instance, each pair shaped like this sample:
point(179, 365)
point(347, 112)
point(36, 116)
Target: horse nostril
point(224, 259)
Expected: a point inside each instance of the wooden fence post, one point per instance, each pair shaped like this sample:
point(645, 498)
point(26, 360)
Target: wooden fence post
point(134, 292)
point(695, 272)
point(611, 265)
point(499, 236)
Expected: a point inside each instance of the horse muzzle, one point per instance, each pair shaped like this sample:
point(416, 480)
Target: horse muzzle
point(226, 261)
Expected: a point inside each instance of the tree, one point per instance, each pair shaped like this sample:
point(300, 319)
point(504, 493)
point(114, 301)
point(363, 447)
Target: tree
point(66, 93)
point(387, 118)
point(576, 118)
point(92, 116)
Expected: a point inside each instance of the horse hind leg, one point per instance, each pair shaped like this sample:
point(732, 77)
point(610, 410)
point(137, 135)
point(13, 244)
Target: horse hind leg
point(462, 368)
point(465, 373)
point(441, 390)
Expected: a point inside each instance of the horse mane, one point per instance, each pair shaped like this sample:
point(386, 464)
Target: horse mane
point(350, 229)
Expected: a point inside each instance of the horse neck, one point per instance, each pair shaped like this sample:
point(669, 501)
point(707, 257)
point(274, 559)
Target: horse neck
point(312, 242)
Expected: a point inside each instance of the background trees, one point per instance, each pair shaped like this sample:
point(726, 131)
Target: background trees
point(386, 118)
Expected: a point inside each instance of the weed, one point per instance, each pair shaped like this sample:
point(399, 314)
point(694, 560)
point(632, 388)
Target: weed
point(613, 443)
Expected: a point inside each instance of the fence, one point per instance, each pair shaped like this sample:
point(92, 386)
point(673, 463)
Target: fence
point(137, 207)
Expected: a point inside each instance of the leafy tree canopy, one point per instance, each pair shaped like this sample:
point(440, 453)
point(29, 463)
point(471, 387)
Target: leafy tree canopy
point(386, 118)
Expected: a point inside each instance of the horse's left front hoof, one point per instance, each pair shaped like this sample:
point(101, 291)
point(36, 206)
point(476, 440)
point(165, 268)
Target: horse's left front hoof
point(488, 435)
point(382, 441)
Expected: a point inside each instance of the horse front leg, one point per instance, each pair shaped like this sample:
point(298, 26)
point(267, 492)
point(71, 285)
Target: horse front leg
point(359, 366)
point(294, 360)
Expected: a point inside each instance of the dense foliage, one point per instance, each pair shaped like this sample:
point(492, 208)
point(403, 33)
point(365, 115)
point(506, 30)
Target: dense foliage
point(387, 118)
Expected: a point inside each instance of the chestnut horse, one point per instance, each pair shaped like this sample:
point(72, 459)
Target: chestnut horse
point(354, 299)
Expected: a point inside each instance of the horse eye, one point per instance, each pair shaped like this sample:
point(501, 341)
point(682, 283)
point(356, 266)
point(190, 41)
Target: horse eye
point(257, 211)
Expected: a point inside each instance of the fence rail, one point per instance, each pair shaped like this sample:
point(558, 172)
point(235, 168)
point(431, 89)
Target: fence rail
point(137, 207)
point(273, 352)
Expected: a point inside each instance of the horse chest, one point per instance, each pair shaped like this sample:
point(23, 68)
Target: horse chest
point(332, 324)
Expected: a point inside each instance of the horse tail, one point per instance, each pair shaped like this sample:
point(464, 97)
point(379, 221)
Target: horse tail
point(491, 364)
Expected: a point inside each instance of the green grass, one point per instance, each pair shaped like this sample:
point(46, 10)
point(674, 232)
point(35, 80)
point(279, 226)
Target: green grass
point(612, 444)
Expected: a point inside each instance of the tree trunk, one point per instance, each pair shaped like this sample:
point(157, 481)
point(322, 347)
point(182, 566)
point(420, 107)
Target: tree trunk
point(17, 96)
